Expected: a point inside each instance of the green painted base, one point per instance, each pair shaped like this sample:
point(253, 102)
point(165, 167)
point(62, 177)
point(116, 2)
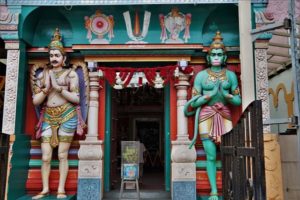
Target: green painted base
point(206, 198)
point(54, 163)
point(50, 197)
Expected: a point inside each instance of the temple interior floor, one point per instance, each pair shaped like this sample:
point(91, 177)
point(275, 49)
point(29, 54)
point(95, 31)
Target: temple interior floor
point(151, 187)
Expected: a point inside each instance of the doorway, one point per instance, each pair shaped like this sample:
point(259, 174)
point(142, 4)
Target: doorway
point(138, 115)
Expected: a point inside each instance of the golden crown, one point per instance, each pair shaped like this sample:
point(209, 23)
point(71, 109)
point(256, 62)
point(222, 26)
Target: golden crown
point(56, 42)
point(217, 42)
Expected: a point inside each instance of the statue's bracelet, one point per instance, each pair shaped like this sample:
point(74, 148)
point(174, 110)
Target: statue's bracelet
point(44, 90)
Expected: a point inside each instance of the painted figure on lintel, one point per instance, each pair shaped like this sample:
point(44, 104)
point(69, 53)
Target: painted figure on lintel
point(174, 23)
point(56, 93)
point(214, 88)
point(135, 33)
point(100, 25)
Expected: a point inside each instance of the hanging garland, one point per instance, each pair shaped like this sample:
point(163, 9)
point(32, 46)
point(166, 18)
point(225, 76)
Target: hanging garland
point(121, 76)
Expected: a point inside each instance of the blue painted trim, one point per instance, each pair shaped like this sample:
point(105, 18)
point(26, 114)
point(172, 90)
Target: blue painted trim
point(107, 138)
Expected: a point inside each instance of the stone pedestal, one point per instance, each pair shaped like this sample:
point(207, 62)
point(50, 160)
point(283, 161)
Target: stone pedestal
point(90, 153)
point(183, 158)
point(273, 166)
point(183, 171)
point(90, 170)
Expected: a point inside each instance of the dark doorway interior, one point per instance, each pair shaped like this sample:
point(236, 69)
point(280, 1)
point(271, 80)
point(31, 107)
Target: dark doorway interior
point(138, 114)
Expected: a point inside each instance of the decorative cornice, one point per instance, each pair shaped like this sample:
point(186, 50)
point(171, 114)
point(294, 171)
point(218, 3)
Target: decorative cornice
point(8, 24)
point(281, 9)
point(119, 2)
point(12, 45)
point(263, 17)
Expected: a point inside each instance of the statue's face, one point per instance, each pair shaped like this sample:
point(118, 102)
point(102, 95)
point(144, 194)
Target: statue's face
point(217, 57)
point(57, 59)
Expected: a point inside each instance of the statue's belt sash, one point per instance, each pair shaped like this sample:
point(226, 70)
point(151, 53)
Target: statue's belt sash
point(218, 112)
point(55, 116)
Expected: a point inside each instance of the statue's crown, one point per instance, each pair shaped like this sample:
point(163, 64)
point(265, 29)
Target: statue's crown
point(56, 42)
point(217, 42)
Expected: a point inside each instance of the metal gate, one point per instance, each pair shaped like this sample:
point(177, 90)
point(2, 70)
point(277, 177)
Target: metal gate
point(243, 168)
point(4, 148)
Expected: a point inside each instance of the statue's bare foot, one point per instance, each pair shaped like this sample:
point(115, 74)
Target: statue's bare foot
point(61, 195)
point(41, 195)
point(213, 196)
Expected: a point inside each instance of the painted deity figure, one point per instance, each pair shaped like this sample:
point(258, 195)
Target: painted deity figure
point(175, 22)
point(56, 90)
point(214, 88)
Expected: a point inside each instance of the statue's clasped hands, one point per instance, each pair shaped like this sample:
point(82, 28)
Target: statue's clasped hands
point(214, 91)
point(46, 89)
point(224, 92)
point(54, 83)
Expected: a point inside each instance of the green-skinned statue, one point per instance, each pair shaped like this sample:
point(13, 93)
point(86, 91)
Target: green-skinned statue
point(214, 88)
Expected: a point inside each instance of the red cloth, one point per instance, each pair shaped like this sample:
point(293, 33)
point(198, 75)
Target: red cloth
point(217, 112)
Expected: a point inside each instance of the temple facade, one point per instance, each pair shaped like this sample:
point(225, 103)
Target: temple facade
point(136, 61)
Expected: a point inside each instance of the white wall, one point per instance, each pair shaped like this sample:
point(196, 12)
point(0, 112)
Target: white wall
point(282, 110)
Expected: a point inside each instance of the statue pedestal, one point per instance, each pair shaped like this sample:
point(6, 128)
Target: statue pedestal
point(183, 158)
point(90, 153)
point(90, 170)
point(183, 170)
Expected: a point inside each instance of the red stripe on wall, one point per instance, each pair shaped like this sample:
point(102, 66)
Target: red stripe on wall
point(101, 114)
point(31, 119)
point(173, 110)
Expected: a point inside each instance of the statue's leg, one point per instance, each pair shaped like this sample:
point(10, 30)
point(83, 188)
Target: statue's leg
point(63, 150)
point(211, 151)
point(65, 139)
point(46, 166)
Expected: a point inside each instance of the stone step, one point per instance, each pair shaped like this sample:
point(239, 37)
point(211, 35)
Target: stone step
point(132, 194)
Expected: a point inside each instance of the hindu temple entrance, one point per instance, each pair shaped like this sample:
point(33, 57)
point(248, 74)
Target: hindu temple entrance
point(137, 97)
point(138, 115)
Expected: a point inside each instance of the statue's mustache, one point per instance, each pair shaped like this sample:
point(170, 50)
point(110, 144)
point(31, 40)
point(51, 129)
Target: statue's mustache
point(54, 62)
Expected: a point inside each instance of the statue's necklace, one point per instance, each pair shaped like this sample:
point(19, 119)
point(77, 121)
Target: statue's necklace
point(58, 74)
point(214, 76)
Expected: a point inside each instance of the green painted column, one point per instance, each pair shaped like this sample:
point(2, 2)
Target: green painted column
point(21, 146)
point(167, 138)
point(107, 137)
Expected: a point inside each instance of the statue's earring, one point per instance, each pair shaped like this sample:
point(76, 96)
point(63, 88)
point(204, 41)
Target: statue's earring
point(64, 62)
point(208, 59)
point(225, 59)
